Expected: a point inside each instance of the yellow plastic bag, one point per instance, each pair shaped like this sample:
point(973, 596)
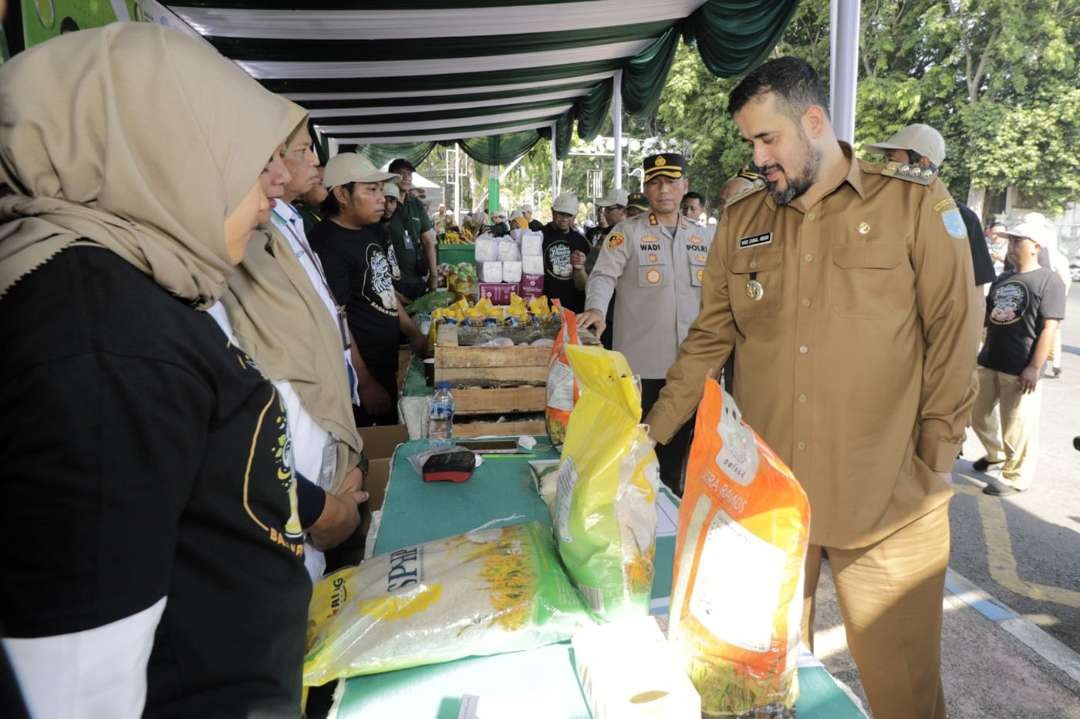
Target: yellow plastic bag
point(605, 518)
point(736, 604)
point(484, 592)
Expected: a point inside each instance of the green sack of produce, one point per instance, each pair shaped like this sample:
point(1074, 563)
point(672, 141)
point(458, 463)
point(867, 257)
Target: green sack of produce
point(605, 503)
point(485, 592)
point(430, 302)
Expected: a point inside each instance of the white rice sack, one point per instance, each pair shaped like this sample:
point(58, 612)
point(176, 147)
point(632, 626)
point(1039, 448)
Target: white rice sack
point(531, 265)
point(508, 250)
point(485, 592)
point(511, 272)
point(487, 249)
point(491, 271)
point(532, 244)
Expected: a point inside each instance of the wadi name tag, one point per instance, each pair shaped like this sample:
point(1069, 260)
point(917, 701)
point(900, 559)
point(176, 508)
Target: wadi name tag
point(755, 240)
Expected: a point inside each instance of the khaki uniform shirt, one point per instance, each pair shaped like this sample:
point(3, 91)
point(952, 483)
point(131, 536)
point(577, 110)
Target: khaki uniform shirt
point(856, 363)
point(658, 281)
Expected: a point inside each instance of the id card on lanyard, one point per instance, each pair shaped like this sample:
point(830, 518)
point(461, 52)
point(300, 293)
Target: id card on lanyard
point(343, 325)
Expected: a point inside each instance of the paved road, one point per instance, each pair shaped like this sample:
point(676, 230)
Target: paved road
point(1011, 635)
point(1024, 550)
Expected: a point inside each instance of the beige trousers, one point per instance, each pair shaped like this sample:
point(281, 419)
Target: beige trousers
point(1055, 350)
point(890, 597)
point(1015, 438)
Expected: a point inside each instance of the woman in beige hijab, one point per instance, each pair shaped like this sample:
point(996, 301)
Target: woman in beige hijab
point(153, 555)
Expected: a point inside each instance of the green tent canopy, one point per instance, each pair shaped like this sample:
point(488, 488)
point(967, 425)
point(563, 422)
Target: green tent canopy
point(393, 79)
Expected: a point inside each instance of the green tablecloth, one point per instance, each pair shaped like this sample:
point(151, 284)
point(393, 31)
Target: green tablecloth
point(500, 493)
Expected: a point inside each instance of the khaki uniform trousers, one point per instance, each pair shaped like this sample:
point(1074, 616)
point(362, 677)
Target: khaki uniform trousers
point(890, 596)
point(1015, 439)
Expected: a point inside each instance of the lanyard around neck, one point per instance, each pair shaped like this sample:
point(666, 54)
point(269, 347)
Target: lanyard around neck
point(343, 327)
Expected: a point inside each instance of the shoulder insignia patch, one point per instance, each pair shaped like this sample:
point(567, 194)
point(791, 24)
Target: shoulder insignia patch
point(758, 184)
point(954, 222)
point(615, 239)
point(909, 173)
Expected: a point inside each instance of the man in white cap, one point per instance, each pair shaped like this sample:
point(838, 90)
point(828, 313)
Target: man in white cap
point(527, 213)
point(350, 243)
point(1024, 309)
point(919, 150)
point(614, 206)
point(565, 251)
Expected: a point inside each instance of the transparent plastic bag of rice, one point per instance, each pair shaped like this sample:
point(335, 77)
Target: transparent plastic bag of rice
point(484, 592)
point(562, 387)
point(736, 605)
point(605, 502)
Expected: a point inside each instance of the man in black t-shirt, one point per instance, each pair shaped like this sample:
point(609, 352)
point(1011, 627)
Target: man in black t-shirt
point(1023, 311)
point(565, 251)
point(350, 245)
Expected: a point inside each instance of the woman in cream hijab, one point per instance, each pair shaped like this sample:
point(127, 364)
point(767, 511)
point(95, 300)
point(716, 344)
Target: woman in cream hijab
point(153, 556)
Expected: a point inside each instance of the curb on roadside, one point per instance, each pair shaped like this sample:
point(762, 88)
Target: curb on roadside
point(1023, 629)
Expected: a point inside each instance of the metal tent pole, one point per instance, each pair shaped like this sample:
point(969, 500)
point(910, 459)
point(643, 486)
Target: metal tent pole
point(457, 185)
point(844, 65)
point(554, 163)
point(616, 121)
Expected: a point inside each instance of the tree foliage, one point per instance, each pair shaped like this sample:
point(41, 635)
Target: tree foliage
point(1000, 79)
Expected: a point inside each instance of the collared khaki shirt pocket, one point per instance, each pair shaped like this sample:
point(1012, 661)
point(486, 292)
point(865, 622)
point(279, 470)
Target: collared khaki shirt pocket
point(870, 279)
point(652, 269)
point(755, 283)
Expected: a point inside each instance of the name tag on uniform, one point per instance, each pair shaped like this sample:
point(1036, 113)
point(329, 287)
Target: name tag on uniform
point(755, 240)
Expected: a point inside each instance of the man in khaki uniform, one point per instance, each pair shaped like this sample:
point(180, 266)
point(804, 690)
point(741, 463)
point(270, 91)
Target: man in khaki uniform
point(656, 262)
point(839, 285)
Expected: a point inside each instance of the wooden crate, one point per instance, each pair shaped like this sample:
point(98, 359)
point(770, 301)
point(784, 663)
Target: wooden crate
point(488, 366)
point(507, 429)
point(492, 400)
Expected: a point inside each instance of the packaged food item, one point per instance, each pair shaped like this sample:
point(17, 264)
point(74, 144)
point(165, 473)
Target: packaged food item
point(462, 279)
point(606, 497)
point(491, 271)
point(538, 308)
point(532, 244)
point(485, 592)
point(628, 670)
point(511, 271)
point(508, 250)
point(562, 389)
point(736, 602)
point(487, 248)
point(532, 265)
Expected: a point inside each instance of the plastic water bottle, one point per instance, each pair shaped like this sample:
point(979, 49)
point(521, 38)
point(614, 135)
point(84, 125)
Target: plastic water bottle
point(441, 420)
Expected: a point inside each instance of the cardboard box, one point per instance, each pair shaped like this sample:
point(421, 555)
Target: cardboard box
point(532, 286)
point(380, 442)
point(498, 292)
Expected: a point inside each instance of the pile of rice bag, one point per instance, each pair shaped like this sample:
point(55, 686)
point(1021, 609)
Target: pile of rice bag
point(605, 516)
point(485, 592)
point(736, 606)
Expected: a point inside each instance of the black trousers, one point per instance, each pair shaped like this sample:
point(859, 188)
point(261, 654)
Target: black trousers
point(672, 456)
point(385, 375)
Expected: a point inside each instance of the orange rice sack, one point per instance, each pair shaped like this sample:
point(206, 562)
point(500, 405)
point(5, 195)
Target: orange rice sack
point(736, 605)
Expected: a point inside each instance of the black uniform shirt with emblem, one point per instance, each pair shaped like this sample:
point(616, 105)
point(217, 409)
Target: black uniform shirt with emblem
point(1017, 306)
point(147, 458)
point(360, 276)
point(558, 271)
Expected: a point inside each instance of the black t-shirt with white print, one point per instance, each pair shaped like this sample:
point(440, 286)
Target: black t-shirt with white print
point(361, 277)
point(1016, 308)
point(148, 458)
point(558, 270)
